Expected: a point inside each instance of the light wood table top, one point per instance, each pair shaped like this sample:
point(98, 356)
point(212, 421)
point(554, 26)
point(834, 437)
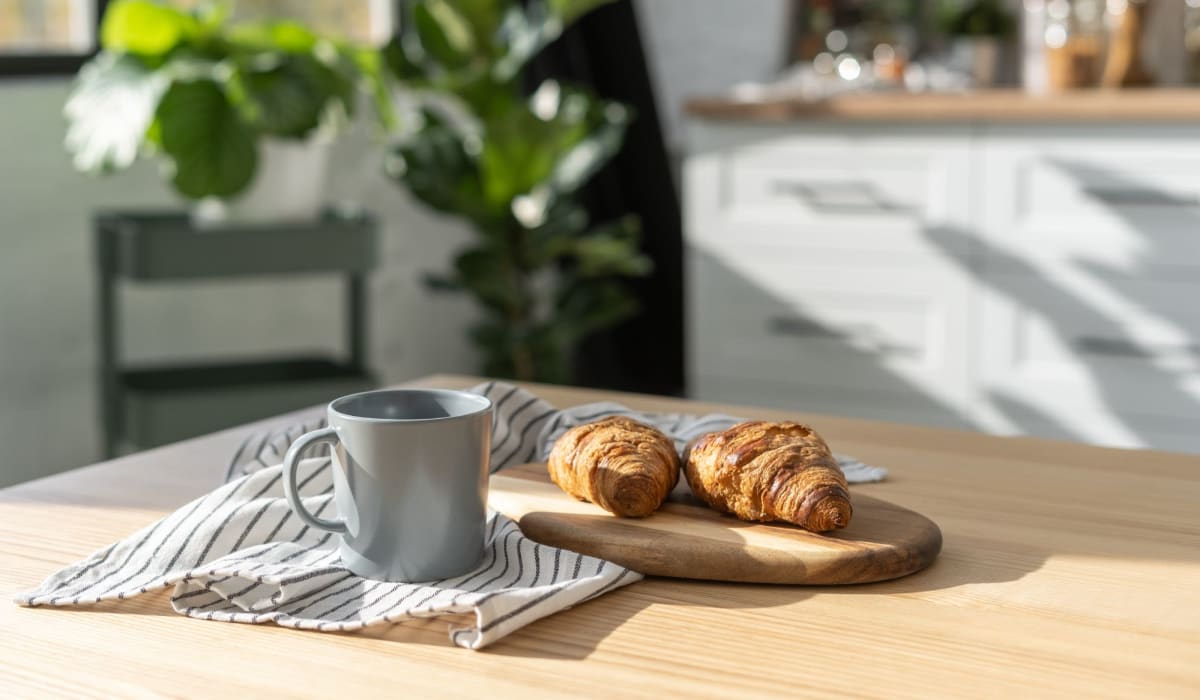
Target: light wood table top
point(1067, 571)
point(1158, 105)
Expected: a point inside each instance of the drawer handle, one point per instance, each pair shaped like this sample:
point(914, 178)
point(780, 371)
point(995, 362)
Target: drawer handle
point(853, 196)
point(1140, 196)
point(1123, 347)
point(861, 337)
point(802, 327)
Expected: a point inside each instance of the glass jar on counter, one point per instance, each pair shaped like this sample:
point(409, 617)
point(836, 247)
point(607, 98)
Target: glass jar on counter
point(1191, 41)
point(1074, 38)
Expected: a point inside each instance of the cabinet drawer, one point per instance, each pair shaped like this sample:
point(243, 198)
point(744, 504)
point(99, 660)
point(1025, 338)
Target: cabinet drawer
point(901, 407)
point(1120, 344)
point(837, 189)
point(1129, 201)
point(895, 329)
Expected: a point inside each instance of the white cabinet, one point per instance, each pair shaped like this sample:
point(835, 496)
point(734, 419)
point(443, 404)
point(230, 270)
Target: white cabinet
point(845, 193)
point(764, 316)
point(826, 270)
point(1123, 200)
point(1089, 321)
point(1039, 279)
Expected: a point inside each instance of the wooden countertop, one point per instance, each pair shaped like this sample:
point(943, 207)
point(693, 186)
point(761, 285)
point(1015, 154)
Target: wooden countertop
point(1067, 571)
point(1149, 105)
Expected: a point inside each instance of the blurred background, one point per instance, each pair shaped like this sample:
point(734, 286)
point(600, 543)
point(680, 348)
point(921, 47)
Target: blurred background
point(972, 213)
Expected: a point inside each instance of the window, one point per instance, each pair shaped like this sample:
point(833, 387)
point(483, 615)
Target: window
point(33, 26)
point(46, 37)
point(367, 21)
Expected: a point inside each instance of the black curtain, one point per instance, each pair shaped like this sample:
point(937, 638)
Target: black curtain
point(604, 51)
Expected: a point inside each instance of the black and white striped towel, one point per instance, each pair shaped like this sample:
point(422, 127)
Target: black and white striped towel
point(238, 554)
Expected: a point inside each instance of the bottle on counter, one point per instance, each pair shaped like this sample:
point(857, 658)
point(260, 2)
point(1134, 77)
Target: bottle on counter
point(1125, 66)
point(1074, 40)
point(1191, 41)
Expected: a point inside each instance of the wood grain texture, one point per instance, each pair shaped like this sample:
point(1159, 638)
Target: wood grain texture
point(1067, 571)
point(686, 539)
point(1145, 105)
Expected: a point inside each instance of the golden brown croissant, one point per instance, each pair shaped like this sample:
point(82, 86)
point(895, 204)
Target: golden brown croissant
point(770, 471)
point(621, 465)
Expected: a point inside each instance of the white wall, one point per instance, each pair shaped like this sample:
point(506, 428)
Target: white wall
point(47, 323)
point(705, 47)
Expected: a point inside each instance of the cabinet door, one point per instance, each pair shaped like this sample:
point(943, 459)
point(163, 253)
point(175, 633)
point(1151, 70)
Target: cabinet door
point(1089, 323)
point(1123, 199)
point(840, 193)
point(1071, 343)
point(765, 317)
point(826, 268)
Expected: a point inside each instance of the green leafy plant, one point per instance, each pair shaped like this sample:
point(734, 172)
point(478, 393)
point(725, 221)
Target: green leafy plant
point(978, 18)
point(200, 90)
point(512, 164)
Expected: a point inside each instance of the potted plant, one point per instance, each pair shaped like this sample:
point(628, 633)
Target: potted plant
point(511, 162)
point(238, 113)
point(978, 31)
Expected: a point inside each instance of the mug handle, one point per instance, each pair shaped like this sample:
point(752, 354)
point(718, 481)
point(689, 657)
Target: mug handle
point(291, 463)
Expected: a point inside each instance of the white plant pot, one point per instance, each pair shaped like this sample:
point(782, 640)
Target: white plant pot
point(289, 185)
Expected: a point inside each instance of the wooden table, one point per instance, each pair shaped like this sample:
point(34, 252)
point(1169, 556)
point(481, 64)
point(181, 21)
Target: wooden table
point(1067, 570)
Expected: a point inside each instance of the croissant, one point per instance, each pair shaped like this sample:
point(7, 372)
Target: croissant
point(770, 471)
point(621, 465)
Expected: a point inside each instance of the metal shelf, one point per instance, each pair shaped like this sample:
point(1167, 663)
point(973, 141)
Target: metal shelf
point(153, 405)
point(157, 246)
point(163, 404)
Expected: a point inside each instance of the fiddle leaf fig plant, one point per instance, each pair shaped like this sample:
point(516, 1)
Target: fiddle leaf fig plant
point(512, 164)
point(200, 90)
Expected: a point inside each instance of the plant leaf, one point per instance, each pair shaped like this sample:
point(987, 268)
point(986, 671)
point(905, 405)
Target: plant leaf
point(567, 11)
point(445, 34)
point(144, 27)
point(588, 155)
point(588, 306)
point(612, 249)
point(285, 35)
point(109, 111)
point(548, 146)
point(555, 238)
point(526, 31)
point(396, 55)
point(290, 98)
point(523, 32)
point(484, 273)
point(212, 15)
point(437, 169)
point(213, 150)
point(520, 152)
point(484, 18)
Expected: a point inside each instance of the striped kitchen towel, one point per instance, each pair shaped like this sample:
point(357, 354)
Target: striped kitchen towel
point(238, 554)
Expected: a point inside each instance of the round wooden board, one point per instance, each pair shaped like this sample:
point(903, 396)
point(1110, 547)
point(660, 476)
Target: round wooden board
point(685, 539)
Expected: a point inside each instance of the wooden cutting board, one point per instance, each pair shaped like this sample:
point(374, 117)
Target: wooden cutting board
point(686, 539)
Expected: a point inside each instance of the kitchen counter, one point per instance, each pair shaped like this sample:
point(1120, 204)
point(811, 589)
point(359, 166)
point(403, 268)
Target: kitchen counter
point(1066, 570)
point(1148, 105)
